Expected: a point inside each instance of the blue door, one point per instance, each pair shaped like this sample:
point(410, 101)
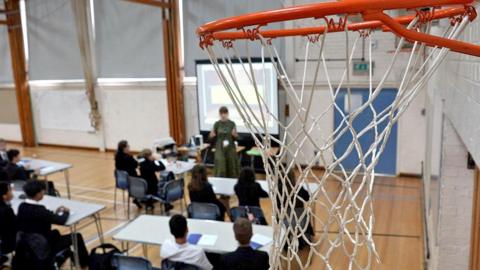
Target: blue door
point(387, 163)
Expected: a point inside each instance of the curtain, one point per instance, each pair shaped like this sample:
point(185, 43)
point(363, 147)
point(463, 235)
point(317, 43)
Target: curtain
point(129, 40)
point(52, 41)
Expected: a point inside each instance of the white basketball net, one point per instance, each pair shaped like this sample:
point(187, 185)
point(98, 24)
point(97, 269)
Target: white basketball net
point(343, 220)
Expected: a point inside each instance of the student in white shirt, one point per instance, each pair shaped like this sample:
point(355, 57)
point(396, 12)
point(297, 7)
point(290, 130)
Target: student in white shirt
point(179, 250)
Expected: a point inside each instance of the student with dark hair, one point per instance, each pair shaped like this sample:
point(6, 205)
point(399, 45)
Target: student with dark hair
point(14, 170)
point(298, 203)
point(248, 190)
point(124, 161)
point(225, 133)
point(200, 190)
point(245, 257)
point(8, 224)
point(32, 217)
point(180, 250)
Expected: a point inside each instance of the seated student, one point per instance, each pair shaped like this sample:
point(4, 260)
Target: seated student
point(148, 171)
point(3, 153)
point(247, 190)
point(32, 217)
point(179, 250)
point(124, 161)
point(245, 257)
point(8, 224)
point(201, 190)
point(14, 170)
point(297, 201)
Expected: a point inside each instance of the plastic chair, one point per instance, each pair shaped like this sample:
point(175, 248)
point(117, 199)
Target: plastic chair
point(33, 252)
point(171, 265)
point(208, 211)
point(170, 192)
point(122, 262)
point(137, 189)
point(243, 211)
point(121, 182)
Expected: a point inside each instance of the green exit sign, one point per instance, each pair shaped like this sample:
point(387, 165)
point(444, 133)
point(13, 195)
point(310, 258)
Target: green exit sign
point(362, 68)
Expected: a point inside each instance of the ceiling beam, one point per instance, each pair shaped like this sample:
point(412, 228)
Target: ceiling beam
point(155, 3)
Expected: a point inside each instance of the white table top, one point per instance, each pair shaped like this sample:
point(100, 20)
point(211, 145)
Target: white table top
point(178, 167)
point(225, 186)
point(45, 167)
point(154, 230)
point(78, 210)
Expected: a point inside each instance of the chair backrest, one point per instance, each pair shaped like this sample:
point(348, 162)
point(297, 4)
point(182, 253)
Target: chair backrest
point(238, 212)
point(173, 190)
point(32, 252)
point(121, 179)
point(122, 262)
point(242, 211)
point(137, 187)
point(207, 211)
point(171, 265)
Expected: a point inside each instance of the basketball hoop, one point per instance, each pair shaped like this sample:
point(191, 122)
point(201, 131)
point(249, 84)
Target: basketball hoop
point(348, 213)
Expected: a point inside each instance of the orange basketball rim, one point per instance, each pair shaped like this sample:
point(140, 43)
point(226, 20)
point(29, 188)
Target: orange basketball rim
point(249, 26)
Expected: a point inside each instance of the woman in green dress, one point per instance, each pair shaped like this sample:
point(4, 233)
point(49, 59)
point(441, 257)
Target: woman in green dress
point(226, 159)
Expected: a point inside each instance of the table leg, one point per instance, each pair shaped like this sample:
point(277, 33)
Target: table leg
point(76, 259)
point(145, 250)
point(98, 223)
point(67, 180)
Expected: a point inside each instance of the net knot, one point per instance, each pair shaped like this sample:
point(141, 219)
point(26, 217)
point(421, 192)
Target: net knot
point(206, 40)
point(425, 16)
point(455, 19)
point(334, 26)
point(252, 33)
point(227, 44)
point(365, 33)
point(314, 38)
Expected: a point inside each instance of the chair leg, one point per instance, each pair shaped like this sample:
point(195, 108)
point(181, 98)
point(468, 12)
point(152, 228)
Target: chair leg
point(128, 209)
point(184, 204)
point(123, 197)
point(115, 199)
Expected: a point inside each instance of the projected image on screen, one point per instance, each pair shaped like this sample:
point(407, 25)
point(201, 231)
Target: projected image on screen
point(212, 94)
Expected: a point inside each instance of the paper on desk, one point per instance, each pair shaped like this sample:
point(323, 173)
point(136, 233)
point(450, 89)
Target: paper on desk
point(261, 240)
point(207, 240)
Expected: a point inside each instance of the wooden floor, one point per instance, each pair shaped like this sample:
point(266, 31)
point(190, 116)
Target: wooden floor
point(397, 232)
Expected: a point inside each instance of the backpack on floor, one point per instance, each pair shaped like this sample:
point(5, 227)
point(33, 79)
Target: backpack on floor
point(101, 257)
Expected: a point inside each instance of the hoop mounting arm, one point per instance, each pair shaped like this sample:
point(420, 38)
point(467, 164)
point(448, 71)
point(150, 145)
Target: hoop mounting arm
point(430, 40)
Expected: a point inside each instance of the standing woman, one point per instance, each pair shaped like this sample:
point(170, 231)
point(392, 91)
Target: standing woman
point(226, 160)
point(124, 161)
